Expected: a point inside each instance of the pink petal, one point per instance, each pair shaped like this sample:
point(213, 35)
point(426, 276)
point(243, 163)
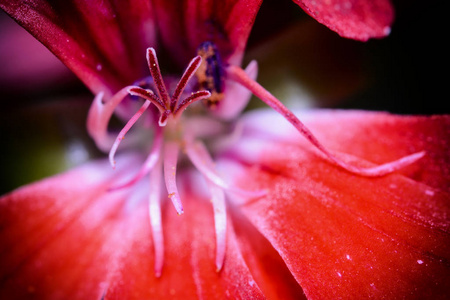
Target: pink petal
point(189, 270)
point(102, 42)
point(51, 233)
point(375, 136)
point(267, 267)
point(236, 96)
point(67, 237)
point(27, 66)
point(184, 25)
point(348, 236)
point(356, 19)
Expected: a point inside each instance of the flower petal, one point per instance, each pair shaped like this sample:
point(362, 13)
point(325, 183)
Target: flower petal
point(184, 25)
point(356, 19)
point(52, 231)
point(267, 267)
point(343, 235)
point(189, 270)
point(67, 237)
point(102, 42)
point(375, 136)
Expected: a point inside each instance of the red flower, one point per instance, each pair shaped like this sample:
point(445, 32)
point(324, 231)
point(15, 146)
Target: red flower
point(294, 222)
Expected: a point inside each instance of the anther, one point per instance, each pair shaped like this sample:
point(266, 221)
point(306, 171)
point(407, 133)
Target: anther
point(210, 74)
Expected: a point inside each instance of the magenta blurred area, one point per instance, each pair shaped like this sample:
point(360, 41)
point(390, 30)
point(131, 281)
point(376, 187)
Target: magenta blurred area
point(27, 68)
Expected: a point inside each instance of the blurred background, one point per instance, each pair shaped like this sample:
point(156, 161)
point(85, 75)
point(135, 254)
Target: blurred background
point(44, 106)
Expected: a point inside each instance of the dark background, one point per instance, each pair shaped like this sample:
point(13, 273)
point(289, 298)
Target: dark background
point(407, 72)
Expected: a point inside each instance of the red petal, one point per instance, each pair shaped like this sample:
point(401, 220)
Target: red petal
point(267, 267)
point(184, 25)
point(51, 233)
point(347, 236)
point(376, 137)
point(381, 137)
point(356, 19)
point(66, 237)
point(103, 42)
point(189, 269)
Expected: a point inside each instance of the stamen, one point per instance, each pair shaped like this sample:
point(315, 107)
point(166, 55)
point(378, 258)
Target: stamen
point(149, 163)
point(210, 74)
point(122, 133)
point(200, 158)
point(190, 71)
point(155, 216)
point(99, 115)
point(170, 167)
point(94, 122)
point(220, 222)
point(238, 75)
point(157, 77)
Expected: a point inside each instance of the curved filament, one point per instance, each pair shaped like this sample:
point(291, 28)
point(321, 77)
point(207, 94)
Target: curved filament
point(124, 130)
point(220, 222)
point(154, 208)
point(171, 150)
point(241, 77)
point(149, 163)
point(199, 156)
point(99, 115)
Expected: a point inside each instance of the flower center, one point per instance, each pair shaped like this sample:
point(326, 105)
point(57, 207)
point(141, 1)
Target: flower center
point(170, 136)
point(169, 107)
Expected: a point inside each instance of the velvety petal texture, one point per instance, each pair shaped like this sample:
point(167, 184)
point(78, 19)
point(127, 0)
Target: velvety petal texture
point(53, 231)
point(320, 230)
point(346, 236)
point(356, 19)
point(102, 42)
point(67, 237)
point(189, 271)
